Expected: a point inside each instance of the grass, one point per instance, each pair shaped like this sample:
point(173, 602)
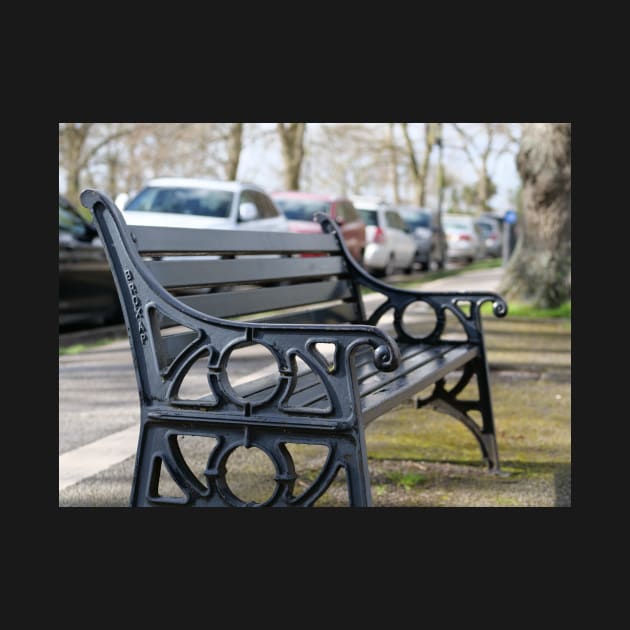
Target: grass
point(526, 310)
point(406, 480)
point(81, 347)
point(519, 309)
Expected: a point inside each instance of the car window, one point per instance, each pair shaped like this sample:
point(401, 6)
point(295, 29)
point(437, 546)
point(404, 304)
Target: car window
point(70, 223)
point(249, 196)
point(416, 219)
point(302, 209)
point(487, 226)
point(369, 216)
point(457, 223)
point(394, 220)
point(349, 212)
point(197, 201)
point(267, 208)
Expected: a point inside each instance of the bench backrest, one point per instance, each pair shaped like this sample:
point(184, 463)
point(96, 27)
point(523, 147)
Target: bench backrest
point(260, 276)
point(239, 273)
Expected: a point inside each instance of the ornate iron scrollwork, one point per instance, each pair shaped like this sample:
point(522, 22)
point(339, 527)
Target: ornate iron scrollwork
point(217, 491)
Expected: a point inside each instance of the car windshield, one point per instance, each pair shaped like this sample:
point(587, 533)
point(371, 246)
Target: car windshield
point(70, 222)
point(369, 216)
point(457, 223)
point(416, 219)
point(488, 228)
point(300, 209)
point(199, 201)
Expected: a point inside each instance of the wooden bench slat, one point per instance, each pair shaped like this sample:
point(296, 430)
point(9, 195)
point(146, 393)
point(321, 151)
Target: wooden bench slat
point(170, 241)
point(195, 272)
point(337, 314)
point(370, 379)
point(172, 345)
point(394, 393)
point(258, 300)
point(380, 392)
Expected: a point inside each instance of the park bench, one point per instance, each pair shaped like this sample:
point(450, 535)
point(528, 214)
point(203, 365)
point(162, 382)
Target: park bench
point(190, 295)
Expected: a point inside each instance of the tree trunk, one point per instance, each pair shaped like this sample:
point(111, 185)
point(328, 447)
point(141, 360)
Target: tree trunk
point(235, 144)
point(72, 137)
point(292, 142)
point(539, 271)
point(73, 186)
point(420, 171)
point(440, 174)
point(112, 175)
point(413, 163)
point(429, 141)
point(393, 163)
point(482, 192)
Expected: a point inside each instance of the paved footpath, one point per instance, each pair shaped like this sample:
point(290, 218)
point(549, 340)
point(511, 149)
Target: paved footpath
point(98, 399)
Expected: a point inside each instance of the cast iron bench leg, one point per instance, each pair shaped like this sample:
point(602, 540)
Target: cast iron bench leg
point(446, 401)
point(357, 471)
point(488, 430)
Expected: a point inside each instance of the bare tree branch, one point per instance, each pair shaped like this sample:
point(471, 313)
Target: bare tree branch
point(411, 154)
point(110, 138)
point(466, 148)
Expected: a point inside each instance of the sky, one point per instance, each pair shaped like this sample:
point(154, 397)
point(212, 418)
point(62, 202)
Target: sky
point(263, 166)
point(265, 169)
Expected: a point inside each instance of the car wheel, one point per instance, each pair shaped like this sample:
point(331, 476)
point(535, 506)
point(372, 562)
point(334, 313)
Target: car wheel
point(390, 268)
point(426, 265)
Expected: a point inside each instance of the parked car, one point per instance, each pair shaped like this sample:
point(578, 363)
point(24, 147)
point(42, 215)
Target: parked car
point(463, 236)
point(204, 203)
point(87, 292)
point(300, 209)
point(492, 236)
point(430, 238)
point(390, 245)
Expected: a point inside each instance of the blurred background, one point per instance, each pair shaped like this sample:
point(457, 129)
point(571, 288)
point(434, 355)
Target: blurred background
point(417, 196)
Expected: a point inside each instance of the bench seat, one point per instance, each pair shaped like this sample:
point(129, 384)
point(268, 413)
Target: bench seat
point(421, 365)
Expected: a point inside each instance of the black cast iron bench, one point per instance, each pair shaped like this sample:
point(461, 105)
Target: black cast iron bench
point(189, 294)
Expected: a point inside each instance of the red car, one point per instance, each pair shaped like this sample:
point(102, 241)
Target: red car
point(300, 208)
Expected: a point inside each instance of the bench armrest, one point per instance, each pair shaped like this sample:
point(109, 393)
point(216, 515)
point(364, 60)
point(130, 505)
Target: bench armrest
point(464, 305)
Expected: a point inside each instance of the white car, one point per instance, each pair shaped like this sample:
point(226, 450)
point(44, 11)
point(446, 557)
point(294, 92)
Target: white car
point(389, 244)
point(204, 203)
point(464, 238)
